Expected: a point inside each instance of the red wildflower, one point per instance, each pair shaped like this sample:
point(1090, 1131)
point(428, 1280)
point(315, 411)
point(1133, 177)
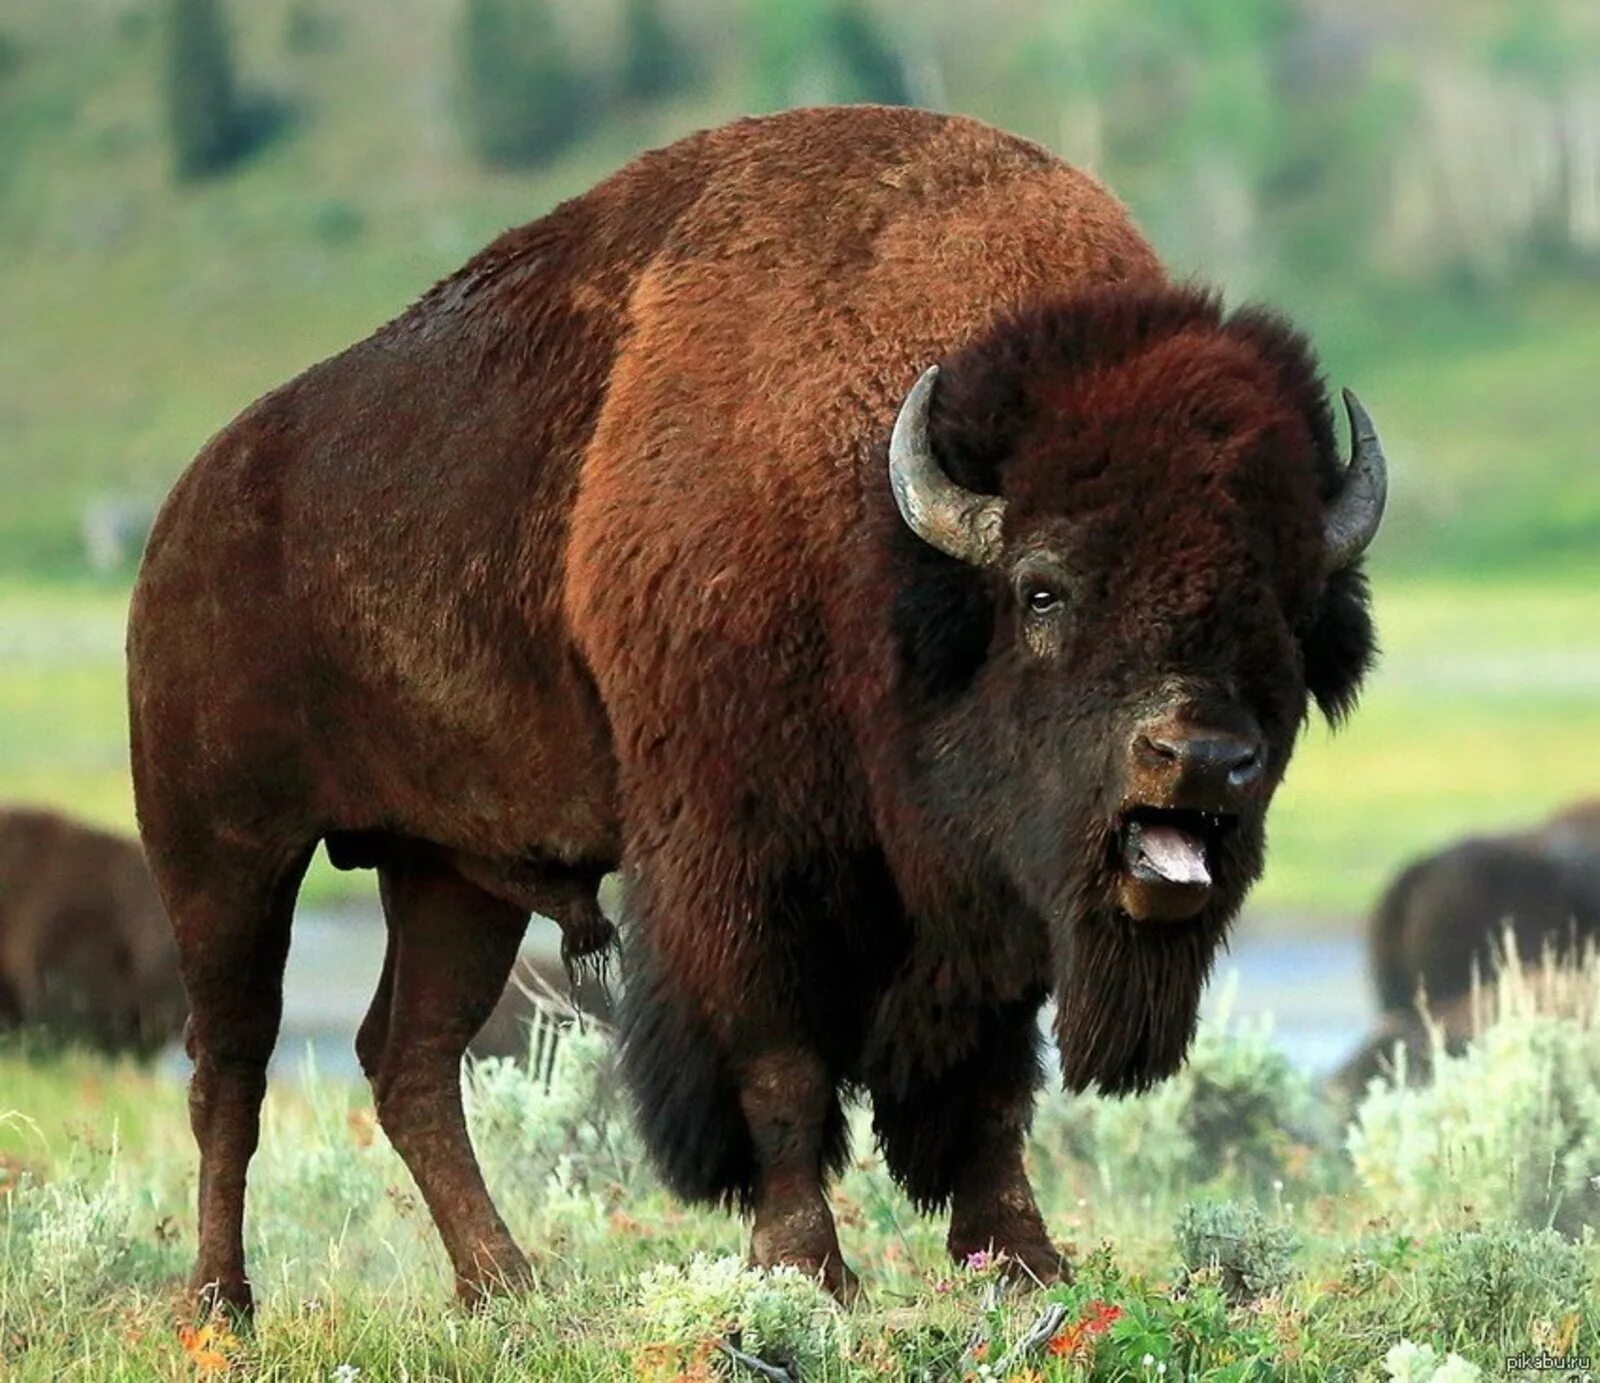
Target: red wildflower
point(1065, 1344)
point(1101, 1316)
point(1098, 1317)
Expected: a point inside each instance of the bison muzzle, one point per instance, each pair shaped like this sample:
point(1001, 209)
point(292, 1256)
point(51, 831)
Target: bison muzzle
point(902, 697)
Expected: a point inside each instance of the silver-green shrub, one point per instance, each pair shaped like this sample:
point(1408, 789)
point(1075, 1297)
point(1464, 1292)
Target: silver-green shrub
point(1251, 1255)
point(1235, 1114)
point(778, 1315)
point(66, 1242)
point(1502, 1279)
point(554, 1127)
point(1508, 1129)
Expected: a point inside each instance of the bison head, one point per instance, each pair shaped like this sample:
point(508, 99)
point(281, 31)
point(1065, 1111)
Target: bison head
point(1128, 561)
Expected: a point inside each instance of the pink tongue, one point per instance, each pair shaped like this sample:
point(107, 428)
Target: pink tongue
point(1175, 855)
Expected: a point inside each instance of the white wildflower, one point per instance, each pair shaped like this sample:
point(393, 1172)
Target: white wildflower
point(1408, 1362)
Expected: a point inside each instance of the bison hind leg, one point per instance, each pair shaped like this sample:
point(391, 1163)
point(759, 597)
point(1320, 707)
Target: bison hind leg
point(451, 949)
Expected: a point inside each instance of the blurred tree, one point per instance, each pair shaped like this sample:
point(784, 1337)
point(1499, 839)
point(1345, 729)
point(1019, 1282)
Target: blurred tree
point(204, 118)
point(10, 55)
point(522, 96)
point(655, 62)
point(868, 67)
point(309, 29)
point(807, 52)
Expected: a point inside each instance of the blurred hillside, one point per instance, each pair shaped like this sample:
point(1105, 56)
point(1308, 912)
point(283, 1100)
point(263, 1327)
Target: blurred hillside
point(1416, 181)
point(1419, 183)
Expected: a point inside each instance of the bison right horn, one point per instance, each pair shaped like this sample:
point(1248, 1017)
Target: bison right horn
point(960, 523)
point(1356, 510)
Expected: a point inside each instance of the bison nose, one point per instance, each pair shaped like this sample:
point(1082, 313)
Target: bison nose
point(1204, 761)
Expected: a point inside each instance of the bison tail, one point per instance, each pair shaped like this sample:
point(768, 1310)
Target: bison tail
point(684, 1096)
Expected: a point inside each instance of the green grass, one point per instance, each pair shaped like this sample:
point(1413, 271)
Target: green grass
point(1470, 723)
point(1215, 1224)
point(55, 1102)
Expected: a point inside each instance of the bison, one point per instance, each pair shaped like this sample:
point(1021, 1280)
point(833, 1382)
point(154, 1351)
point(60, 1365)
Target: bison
point(85, 950)
point(840, 524)
point(1447, 917)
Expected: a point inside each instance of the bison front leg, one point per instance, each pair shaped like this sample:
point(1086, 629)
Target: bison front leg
point(956, 1138)
point(732, 1102)
point(992, 1206)
point(789, 1101)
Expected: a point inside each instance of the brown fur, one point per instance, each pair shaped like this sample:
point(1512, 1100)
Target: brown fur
point(589, 560)
point(85, 950)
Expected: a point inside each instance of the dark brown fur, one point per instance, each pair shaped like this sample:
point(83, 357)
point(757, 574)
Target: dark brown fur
point(1446, 917)
point(589, 560)
point(85, 950)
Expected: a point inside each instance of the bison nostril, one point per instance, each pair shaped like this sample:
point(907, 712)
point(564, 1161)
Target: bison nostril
point(1240, 760)
point(1162, 747)
point(1247, 766)
point(1235, 758)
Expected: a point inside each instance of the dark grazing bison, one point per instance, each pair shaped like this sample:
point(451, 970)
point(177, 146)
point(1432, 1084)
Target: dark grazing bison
point(86, 950)
point(86, 953)
point(651, 540)
point(1447, 917)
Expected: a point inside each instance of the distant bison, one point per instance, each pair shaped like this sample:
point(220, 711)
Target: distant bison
point(85, 950)
point(650, 540)
point(1447, 916)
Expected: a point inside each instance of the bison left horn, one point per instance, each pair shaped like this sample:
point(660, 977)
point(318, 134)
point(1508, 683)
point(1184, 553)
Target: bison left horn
point(1354, 513)
point(960, 523)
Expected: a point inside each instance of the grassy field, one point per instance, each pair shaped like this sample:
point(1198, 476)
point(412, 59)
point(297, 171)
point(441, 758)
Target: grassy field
point(1470, 723)
point(1228, 1226)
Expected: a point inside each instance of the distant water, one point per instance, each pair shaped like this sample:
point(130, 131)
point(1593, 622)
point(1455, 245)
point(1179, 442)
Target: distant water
point(1314, 988)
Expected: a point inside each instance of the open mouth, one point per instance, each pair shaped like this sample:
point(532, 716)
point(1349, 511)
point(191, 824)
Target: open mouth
point(1167, 858)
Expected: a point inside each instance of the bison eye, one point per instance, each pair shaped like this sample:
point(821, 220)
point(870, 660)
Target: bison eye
point(1041, 600)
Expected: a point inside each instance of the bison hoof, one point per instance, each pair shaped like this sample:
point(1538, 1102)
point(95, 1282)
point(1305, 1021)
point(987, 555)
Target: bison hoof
point(502, 1272)
point(229, 1297)
point(1025, 1262)
point(837, 1277)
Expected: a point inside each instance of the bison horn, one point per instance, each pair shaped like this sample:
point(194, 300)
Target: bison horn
point(960, 523)
point(1355, 511)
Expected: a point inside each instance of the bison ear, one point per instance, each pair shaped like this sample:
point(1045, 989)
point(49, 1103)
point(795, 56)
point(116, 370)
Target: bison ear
point(1339, 645)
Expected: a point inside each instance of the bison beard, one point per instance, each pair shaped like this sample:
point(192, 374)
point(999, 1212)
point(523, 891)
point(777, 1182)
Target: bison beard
point(1129, 997)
